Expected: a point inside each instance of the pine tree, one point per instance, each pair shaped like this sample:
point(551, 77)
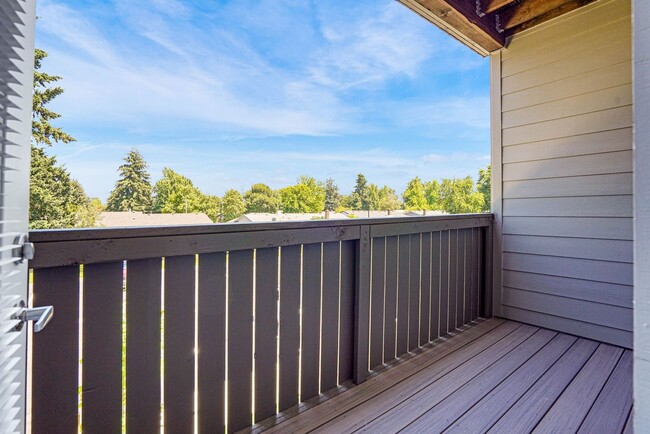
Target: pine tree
point(132, 191)
point(42, 132)
point(332, 195)
point(359, 199)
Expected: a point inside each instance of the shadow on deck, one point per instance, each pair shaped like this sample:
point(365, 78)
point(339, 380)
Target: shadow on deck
point(498, 376)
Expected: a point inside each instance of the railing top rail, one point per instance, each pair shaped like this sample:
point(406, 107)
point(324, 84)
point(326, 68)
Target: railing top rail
point(56, 235)
point(56, 248)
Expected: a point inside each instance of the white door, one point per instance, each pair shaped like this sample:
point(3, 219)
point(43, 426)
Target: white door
point(16, 83)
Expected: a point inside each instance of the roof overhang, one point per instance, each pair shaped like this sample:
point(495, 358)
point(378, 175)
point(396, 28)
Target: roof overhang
point(485, 25)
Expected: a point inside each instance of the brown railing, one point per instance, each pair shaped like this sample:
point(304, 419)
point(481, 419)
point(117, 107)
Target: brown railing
point(278, 313)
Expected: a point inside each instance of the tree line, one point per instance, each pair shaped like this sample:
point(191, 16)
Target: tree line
point(59, 201)
point(175, 193)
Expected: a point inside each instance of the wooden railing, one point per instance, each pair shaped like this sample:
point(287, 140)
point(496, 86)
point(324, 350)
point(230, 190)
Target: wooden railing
point(220, 327)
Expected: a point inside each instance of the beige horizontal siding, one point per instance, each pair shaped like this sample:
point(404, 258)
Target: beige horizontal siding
point(588, 330)
point(584, 227)
point(601, 292)
point(591, 185)
point(586, 144)
point(567, 28)
point(597, 164)
point(609, 76)
point(566, 174)
point(581, 310)
point(580, 248)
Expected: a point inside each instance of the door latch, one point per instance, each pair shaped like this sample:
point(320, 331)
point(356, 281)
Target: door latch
point(41, 315)
point(25, 249)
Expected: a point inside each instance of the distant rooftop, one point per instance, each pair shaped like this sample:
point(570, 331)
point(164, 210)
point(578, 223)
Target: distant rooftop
point(121, 219)
point(283, 217)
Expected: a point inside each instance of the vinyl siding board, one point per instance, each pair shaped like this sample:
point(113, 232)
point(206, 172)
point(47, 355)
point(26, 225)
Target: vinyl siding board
point(590, 185)
point(585, 227)
point(597, 164)
point(566, 171)
point(580, 248)
point(609, 76)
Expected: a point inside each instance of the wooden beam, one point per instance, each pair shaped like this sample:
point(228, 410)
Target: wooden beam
point(568, 6)
point(526, 11)
point(487, 6)
point(460, 20)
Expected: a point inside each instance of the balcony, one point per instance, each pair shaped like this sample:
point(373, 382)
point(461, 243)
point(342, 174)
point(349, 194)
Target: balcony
point(379, 325)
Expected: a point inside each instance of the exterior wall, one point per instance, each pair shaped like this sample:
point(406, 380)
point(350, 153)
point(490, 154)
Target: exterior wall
point(642, 215)
point(562, 151)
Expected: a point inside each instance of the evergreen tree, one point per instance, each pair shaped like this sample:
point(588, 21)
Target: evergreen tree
point(56, 200)
point(260, 198)
point(43, 133)
point(483, 186)
point(359, 199)
point(413, 196)
point(333, 197)
point(232, 205)
point(133, 190)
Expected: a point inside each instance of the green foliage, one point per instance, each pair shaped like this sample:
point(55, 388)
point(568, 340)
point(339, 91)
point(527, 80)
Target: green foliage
point(260, 198)
point(458, 196)
point(175, 193)
point(212, 207)
point(333, 198)
point(133, 190)
point(432, 195)
point(483, 186)
point(307, 196)
point(359, 199)
point(388, 200)
point(43, 133)
point(232, 205)
point(413, 196)
point(56, 200)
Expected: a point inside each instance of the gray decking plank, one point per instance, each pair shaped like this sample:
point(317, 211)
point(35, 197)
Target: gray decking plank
point(493, 405)
point(406, 401)
point(529, 409)
point(440, 416)
point(480, 335)
point(570, 409)
point(609, 412)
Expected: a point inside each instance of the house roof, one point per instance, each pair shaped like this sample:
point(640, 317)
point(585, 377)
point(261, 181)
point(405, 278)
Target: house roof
point(283, 217)
point(485, 25)
point(121, 219)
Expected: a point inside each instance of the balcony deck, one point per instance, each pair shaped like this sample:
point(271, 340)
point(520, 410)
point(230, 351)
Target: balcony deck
point(497, 376)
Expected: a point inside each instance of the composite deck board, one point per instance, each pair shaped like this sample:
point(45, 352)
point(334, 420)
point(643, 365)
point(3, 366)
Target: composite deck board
point(495, 375)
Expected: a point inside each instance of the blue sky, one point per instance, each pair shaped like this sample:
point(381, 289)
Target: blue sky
point(231, 93)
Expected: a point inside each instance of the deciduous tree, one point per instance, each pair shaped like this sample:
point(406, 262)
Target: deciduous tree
point(483, 186)
point(175, 193)
point(232, 205)
point(307, 196)
point(261, 198)
point(413, 196)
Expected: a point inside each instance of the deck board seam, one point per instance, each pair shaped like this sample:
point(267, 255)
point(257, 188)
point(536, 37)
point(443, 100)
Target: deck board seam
point(542, 376)
point(325, 422)
point(455, 368)
point(510, 375)
point(480, 373)
point(261, 426)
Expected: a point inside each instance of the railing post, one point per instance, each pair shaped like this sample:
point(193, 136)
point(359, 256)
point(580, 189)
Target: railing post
point(489, 271)
point(362, 306)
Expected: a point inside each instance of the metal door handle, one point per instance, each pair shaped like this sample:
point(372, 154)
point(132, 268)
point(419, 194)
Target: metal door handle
point(42, 315)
